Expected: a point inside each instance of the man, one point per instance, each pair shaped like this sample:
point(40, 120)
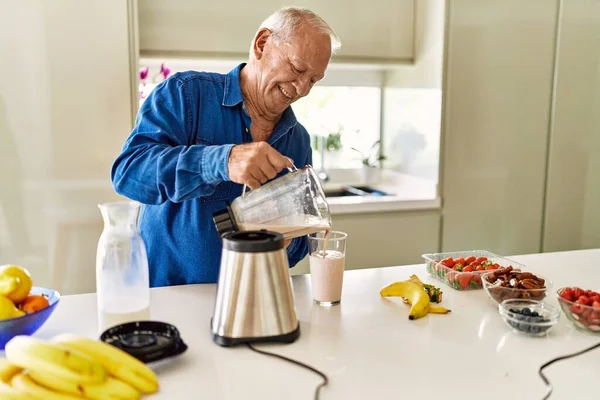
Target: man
point(200, 136)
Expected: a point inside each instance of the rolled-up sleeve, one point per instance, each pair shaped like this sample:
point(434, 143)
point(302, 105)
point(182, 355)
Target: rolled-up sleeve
point(160, 160)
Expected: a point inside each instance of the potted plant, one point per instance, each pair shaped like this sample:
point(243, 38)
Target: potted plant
point(370, 160)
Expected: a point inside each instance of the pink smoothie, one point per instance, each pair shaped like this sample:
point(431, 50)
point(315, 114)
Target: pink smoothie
point(327, 275)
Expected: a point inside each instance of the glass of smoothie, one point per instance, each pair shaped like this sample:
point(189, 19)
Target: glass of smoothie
point(327, 256)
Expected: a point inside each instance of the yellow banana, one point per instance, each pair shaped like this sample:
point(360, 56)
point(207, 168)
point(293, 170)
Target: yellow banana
point(111, 389)
point(23, 383)
point(416, 296)
point(433, 309)
point(8, 370)
point(414, 278)
point(44, 357)
point(7, 392)
point(117, 362)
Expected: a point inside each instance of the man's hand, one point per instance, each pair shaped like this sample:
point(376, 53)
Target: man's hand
point(255, 163)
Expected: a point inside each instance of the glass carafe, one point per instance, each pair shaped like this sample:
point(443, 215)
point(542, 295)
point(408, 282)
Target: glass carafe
point(293, 205)
point(122, 281)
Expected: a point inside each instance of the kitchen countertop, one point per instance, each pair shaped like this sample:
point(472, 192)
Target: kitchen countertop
point(368, 347)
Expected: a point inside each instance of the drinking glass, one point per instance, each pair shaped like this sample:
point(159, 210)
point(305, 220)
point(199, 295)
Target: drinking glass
point(327, 259)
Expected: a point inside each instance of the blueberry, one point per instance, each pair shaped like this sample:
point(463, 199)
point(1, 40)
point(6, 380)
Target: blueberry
point(525, 328)
point(535, 314)
point(526, 311)
point(512, 310)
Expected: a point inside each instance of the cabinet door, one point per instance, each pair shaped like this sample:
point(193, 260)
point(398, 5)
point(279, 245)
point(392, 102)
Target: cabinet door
point(573, 194)
point(385, 239)
point(380, 30)
point(497, 99)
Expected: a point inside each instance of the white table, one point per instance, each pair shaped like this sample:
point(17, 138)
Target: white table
point(367, 345)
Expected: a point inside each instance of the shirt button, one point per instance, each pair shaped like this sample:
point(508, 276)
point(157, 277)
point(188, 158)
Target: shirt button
point(246, 130)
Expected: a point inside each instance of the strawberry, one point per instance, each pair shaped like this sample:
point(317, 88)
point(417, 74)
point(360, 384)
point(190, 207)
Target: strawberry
point(577, 309)
point(460, 260)
point(448, 262)
point(464, 280)
point(567, 294)
point(583, 300)
point(596, 304)
point(577, 293)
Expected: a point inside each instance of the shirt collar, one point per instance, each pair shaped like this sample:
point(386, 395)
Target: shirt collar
point(232, 95)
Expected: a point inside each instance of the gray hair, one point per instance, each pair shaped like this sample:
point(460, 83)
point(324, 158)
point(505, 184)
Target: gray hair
point(284, 22)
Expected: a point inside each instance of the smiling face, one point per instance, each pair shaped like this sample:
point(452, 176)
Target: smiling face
point(288, 71)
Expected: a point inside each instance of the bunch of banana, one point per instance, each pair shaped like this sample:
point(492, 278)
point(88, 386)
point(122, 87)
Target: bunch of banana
point(71, 367)
point(414, 295)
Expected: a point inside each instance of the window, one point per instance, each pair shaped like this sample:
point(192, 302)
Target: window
point(343, 122)
point(412, 120)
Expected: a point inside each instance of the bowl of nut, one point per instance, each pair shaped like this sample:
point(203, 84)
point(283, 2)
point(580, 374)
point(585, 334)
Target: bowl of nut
point(529, 317)
point(508, 283)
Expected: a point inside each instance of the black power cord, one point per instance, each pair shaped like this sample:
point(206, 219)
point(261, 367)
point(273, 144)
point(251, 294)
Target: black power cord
point(546, 381)
point(318, 388)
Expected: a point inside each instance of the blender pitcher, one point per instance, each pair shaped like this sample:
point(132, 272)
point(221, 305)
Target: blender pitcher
point(293, 205)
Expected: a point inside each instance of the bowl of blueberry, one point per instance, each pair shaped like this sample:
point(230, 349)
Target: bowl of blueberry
point(529, 317)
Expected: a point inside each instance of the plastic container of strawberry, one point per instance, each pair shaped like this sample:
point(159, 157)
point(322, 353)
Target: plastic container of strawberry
point(458, 269)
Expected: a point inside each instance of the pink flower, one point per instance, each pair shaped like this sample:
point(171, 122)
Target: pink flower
point(165, 71)
point(144, 73)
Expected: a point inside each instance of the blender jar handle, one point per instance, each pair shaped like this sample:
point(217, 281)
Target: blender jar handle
point(291, 169)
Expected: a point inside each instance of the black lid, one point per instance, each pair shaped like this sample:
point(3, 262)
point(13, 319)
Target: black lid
point(253, 241)
point(225, 221)
point(147, 341)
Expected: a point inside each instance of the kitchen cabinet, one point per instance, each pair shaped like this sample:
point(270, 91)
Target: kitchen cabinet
point(497, 96)
point(572, 217)
point(210, 29)
point(383, 239)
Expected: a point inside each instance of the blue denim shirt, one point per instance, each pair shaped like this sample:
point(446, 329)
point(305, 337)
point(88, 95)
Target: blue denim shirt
point(174, 162)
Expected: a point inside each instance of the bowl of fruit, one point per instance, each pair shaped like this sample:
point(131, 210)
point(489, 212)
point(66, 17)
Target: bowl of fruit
point(463, 270)
point(529, 317)
point(24, 308)
point(582, 308)
point(509, 283)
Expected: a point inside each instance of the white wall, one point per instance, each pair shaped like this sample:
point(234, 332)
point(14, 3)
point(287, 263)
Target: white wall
point(65, 110)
